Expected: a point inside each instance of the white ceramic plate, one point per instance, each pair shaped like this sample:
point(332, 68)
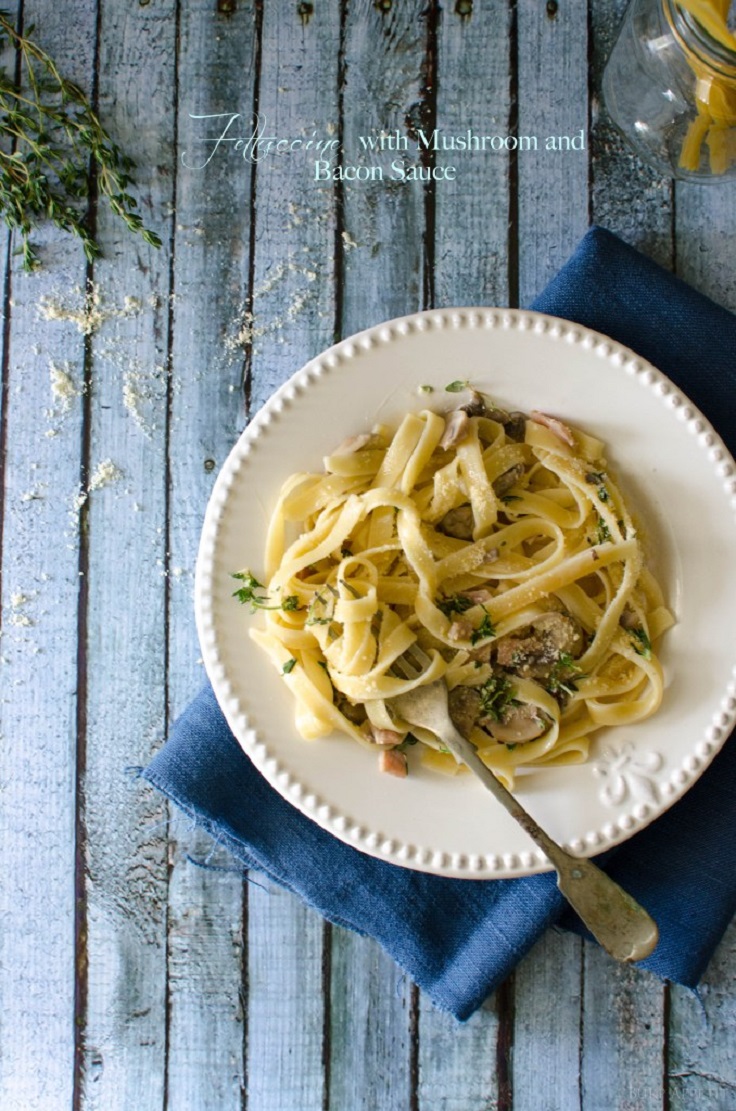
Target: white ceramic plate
point(677, 475)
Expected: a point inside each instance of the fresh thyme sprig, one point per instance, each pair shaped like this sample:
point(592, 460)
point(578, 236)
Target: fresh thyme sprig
point(246, 594)
point(50, 138)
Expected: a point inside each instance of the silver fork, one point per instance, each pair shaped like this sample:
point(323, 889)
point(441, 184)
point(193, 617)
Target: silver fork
point(621, 926)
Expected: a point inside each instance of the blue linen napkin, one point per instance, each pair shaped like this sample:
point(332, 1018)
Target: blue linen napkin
point(459, 939)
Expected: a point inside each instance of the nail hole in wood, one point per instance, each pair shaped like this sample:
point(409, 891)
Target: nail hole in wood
point(464, 8)
point(209, 465)
point(305, 11)
point(383, 5)
point(226, 7)
point(552, 8)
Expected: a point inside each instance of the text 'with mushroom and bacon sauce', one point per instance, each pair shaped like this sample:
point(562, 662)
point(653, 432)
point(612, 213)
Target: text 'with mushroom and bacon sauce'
point(500, 544)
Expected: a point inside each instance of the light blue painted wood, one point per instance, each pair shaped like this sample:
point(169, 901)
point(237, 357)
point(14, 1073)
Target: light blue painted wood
point(553, 104)
point(472, 211)
point(622, 1035)
point(701, 1058)
point(384, 220)
point(548, 1003)
point(457, 1064)
point(124, 1042)
point(207, 1032)
point(38, 649)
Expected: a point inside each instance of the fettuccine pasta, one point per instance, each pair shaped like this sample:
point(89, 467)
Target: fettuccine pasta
point(500, 545)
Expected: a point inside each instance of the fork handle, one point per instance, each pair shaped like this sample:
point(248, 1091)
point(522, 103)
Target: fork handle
point(620, 925)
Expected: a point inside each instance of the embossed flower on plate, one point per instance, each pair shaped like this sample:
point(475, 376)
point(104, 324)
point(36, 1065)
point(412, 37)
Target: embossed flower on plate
point(626, 772)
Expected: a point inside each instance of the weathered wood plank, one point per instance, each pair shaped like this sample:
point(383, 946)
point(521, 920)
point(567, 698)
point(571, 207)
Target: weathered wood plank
point(38, 673)
point(472, 211)
point(552, 104)
point(548, 1000)
point(384, 249)
point(622, 1036)
point(701, 1058)
point(457, 1064)
point(292, 306)
point(370, 1043)
point(217, 73)
point(123, 530)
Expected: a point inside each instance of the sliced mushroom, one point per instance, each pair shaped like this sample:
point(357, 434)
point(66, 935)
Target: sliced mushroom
point(509, 478)
point(457, 427)
point(515, 427)
point(458, 523)
point(560, 430)
point(476, 407)
point(353, 712)
point(521, 723)
point(534, 655)
point(464, 706)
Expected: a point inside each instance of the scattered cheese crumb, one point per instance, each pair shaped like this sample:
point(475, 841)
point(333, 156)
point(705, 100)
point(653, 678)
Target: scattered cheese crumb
point(348, 240)
point(63, 387)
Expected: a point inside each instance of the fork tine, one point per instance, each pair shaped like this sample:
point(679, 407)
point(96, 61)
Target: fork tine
point(411, 663)
point(403, 668)
point(418, 657)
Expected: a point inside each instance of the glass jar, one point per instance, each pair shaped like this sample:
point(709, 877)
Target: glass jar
point(670, 86)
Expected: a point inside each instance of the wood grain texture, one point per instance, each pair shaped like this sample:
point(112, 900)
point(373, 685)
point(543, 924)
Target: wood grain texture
point(123, 527)
point(292, 301)
point(38, 674)
point(701, 1060)
point(384, 246)
point(457, 1064)
point(552, 91)
point(622, 1036)
point(547, 1034)
point(472, 212)
point(217, 73)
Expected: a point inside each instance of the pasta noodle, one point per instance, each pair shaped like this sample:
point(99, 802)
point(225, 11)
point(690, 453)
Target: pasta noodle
point(496, 542)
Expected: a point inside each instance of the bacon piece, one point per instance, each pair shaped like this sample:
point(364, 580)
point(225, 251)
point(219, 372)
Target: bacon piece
point(460, 630)
point(393, 763)
point(386, 736)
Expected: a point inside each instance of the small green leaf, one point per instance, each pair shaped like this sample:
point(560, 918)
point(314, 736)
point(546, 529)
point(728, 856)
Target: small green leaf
point(457, 386)
point(484, 631)
point(289, 666)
